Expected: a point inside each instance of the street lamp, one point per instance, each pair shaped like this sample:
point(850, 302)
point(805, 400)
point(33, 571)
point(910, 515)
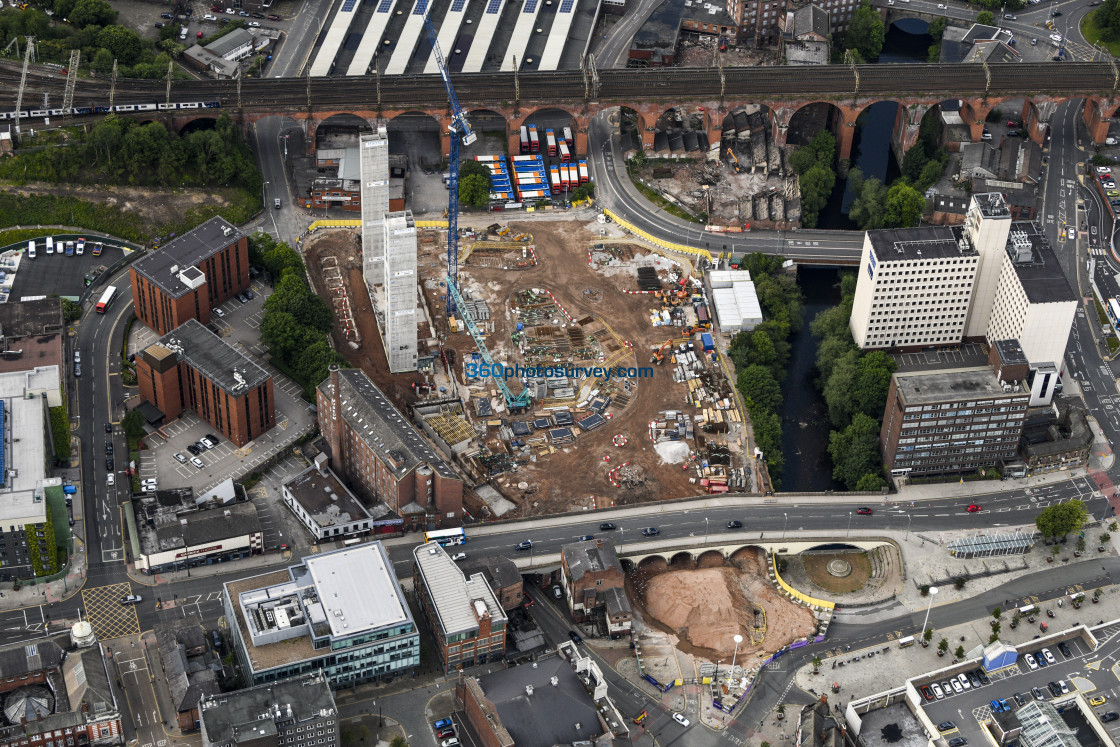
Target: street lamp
point(849, 533)
point(622, 538)
point(932, 594)
point(738, 639)
point(909, 519)
point(705, 530)
point(784, 522)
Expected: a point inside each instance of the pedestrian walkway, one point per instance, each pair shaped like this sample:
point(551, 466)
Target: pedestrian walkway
point(241, 568)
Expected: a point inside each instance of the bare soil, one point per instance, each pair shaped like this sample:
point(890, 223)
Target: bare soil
point(576, 476)
point(369, 355)
point(155, 207)
point(707, 606)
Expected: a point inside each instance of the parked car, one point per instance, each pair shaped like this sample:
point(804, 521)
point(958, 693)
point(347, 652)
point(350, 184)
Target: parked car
point(1020, 699)
point(179, 457)
point(445, 732)
point(108, 427)
point(207, 442)
point(110, 479)
point(983, 677)
point(109, 464)
point(576, 638)
point(193, 449)
point(453, 742)
point(109, 448)
point(1064, 648)
point(927, 693)
point(945, 726)
point(1037, 693)
point(1110, 716)
point(1040, 659)
point(241, 298)
point(937, 691)
point(1032, 664)
point(1054, 689)
point(218, 311)
point(1104, 170)
point(441, 724)
point(1064, 687)
point(964, 681)
point(197, 462)
point(958, 742)
point(249, 294)
point(274, 17)
point(255, 24)
point(1049, 656)
point(1097, 700)
point(651, 532)
point(973, 679)
point(956, 685)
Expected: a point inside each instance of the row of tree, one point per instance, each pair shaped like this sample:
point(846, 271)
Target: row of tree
point(90, 26)
point(1107, 19)
point(123, 151)
point(816, 174)
point(854, 384)
point(878, 206)
point(296, 322)
point(762, 355)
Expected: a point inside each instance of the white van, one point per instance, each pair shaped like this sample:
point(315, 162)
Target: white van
point(50, 245)
point(182, 33)
point(31, 250)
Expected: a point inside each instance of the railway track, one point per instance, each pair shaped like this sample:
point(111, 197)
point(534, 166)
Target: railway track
point(832, 82)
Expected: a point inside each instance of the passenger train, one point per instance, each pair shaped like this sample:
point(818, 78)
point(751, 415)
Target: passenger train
point(79, 110)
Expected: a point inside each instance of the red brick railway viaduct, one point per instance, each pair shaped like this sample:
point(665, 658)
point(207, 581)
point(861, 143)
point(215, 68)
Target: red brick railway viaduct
point(1035, 117)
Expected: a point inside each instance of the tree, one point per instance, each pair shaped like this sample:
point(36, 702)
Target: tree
point(1061, 519)
point(928, 635)
point(768, 438)
point(802, 159)
point(133, 424)
point(930, 174)
point(855, 451)
point(943, 645)
point(398, 741)
point(816, 662)
point(71, 311)
point(816, 187)
point(904, 206)
point(868, 208)
point(92, 13)
point(759, 387)
point(280, 260)
point(959, 653)
point(824, 145)
point(838, 389)
point(474, 190)
point(985, 17)
point(125, 44)
point(872, 381)
point(866, 32)
point(870, 483)
point(283, 335)
point(997, 613)
point(314, 361)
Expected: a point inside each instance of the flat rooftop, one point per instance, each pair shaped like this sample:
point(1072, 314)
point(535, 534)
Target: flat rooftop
point(952, 385)
point(19, 383)
point(1042, 278)
point(201, 527)
point(28, 318)
point(572, 715)
point(992, 204)
point(325, 498)
point(358, 589)
point(924, 242)
point(235, 716)
point(189, 250)
point(273, 654)
point(213, 357)
point(21, 496)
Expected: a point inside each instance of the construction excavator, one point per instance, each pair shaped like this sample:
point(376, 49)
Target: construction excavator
point(734, 162)
point(658, 356)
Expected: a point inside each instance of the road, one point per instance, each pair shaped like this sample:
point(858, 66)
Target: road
point(616, 192)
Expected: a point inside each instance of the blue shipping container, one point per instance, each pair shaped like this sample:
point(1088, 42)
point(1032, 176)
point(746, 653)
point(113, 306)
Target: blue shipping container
point(707, 340)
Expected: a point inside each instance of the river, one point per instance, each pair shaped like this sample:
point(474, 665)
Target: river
point(805, 424)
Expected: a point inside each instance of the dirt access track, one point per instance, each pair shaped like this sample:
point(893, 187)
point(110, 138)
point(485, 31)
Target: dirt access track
point(576, 476)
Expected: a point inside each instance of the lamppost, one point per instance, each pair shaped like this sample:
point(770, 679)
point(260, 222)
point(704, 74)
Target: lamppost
point(622, 538)
point(849, 533)
point(785, 521)
point(909, 519)
point(264, 194)
point(738, 639)
point(932, 594)
point(705, 530)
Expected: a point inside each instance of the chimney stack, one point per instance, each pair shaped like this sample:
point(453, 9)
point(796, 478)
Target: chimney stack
point(336, 421)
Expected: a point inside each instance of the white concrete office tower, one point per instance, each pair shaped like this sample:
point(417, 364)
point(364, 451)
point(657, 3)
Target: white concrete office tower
point(914, 288)
point(399, 334)
point(987, 225)
point(1034, 302)
point(374, 159)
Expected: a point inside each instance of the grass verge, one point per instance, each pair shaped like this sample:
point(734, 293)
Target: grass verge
point(1092, 33)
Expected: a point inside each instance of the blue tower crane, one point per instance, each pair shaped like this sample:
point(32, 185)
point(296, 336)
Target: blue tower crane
point(513, 401)
point(460, 128)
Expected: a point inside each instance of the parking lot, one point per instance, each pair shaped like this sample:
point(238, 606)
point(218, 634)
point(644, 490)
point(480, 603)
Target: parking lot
point(169, 459)
point(966, 704)
point(59, 274)
point(970, 354)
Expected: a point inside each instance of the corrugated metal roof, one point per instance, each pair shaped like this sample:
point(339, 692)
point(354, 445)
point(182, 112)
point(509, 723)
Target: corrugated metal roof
point(453, 595)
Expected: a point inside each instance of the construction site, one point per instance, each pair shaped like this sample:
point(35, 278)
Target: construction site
point(608, 370)
point(742, 181)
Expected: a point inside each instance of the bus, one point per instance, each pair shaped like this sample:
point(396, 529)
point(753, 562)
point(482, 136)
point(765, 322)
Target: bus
point(906, 642)
point(446, 537)
point(1114, 312)
point(106, 299)
point(352, 541)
